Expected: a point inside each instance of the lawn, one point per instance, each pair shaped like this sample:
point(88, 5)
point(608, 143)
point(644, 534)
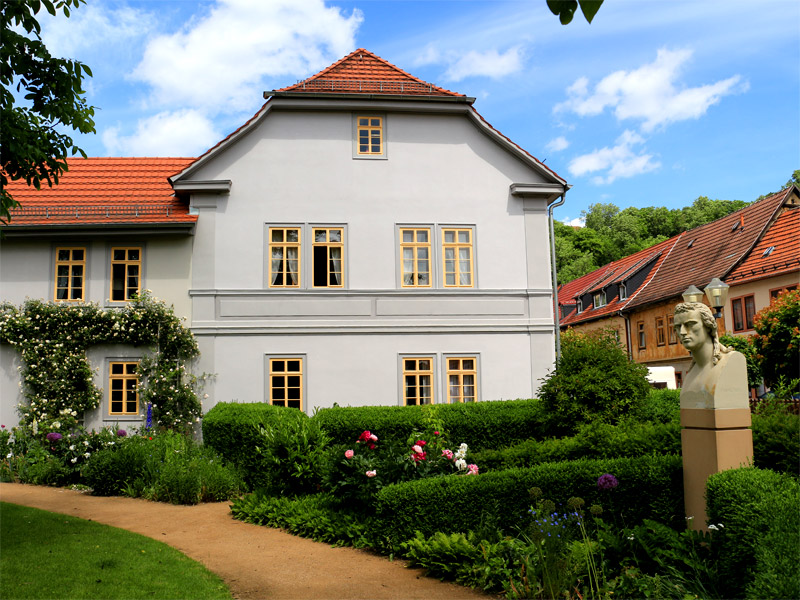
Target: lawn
point(48, 555)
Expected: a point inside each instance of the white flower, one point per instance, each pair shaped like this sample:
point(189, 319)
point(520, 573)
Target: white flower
point(87, 454)
point(10, 455)
point(713, 527)
point(72, 447)
point(461, 464)
point(74, 460)
point(56, 424)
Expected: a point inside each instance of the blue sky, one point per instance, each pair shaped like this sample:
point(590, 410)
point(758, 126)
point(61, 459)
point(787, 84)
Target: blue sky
point(655, 103)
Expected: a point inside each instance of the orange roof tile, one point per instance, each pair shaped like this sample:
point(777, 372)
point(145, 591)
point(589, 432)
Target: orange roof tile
point(695, 257)
point(777, 253)
point(104, 191)
point(362, 72)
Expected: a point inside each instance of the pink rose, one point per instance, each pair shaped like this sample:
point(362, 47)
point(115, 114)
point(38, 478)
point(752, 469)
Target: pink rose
point(373, 437)
point(421, 442)
point(348, 454)
point(371, 473)
point(417, 448)
point(448, 454)
point(364, 436)
point(472, 469)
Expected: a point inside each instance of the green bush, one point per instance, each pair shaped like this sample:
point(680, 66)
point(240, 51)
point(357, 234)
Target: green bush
point(481, 424)
point(593, 440)
point(777, 339)
point(649, 487)
point(660, 406)
point(593, 380)
point(232, 430)
point(776, 439)
point(759, 541)
point(168, 467)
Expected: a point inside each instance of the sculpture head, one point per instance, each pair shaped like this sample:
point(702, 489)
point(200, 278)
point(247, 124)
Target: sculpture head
point(696, 326)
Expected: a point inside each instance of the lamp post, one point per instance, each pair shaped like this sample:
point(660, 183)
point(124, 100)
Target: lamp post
point(717, 293)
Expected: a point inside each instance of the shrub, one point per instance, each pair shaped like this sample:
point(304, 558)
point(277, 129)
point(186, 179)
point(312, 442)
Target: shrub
point(660, 406)
point(482, 424)
point(593, 440)
point(743, 344)
point(232, 430)
point(776, 439)
point(649, 487)
point(777, 338)
point(110, 470)
point(759, 543)
point(593, 380)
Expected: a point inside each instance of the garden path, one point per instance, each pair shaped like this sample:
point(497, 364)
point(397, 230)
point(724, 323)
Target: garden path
point(254, 561)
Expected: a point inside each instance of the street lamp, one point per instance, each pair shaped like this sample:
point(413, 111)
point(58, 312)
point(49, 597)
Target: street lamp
point(717, 293)
point(692, 294)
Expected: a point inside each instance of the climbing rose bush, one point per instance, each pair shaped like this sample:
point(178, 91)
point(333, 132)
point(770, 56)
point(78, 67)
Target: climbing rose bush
point(777, 338)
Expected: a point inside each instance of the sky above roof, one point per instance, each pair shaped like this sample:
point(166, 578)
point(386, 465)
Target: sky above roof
point(653, 104)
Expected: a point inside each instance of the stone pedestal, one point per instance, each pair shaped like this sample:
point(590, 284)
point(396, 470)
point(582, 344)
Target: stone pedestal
point(712, 440)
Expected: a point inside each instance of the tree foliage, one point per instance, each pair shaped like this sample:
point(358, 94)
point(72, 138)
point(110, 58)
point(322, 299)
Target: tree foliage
point(777, 338)
point(565, 9)
point(33, 146)
point(610, 233)
point(593, 380)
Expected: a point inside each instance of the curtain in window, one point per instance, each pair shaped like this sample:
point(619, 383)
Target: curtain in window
point(336, 266)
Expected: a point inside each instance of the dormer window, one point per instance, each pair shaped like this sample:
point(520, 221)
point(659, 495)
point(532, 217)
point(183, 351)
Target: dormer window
point(600, 299)
point(580, 305)
point(623, 291)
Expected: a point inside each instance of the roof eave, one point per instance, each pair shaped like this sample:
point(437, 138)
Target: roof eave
point(362, 96)
point(97, 230)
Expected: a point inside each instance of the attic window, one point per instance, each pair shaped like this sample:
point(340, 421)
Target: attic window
point(600, 299)
point(580, 305)
point(736, 226)
point(691, 243)
point(768, 251)
point(623, 291)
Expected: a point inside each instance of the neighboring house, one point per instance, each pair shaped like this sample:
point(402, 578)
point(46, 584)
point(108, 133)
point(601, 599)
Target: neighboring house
point(110, 228)
point(637, 295)
point(365, 239)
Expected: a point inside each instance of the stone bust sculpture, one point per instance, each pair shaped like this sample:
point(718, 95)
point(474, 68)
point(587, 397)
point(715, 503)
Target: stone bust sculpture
point(717, 377)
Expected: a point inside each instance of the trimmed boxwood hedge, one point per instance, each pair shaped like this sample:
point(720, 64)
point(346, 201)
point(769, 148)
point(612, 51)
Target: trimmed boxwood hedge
point(649, 487)
point(759, 541)
point(231, 429)
point(482, 425)
point(593, 440)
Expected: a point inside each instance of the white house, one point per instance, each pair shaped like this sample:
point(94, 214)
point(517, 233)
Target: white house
point(366, 238)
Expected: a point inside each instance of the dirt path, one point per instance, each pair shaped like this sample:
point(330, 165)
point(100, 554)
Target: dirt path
point(255, 561)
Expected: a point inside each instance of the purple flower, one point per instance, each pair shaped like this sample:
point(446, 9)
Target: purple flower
point(149, 423)
point(607, 482)
point(121, 433)
point(53, 436)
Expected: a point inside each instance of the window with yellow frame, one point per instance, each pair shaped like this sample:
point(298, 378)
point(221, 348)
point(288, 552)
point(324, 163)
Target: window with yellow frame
point(369, 131)
point(418, 381)
point(286, 382)
point(415, 257)
point(70, 274)
point(123, 383)
point(457, 257)
point(462, 375)
point(326, 257)
point(284, 257)
point(126, 268)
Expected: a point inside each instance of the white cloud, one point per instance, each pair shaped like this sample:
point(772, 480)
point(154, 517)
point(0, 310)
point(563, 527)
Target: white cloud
point(94, 26)
point(651, 94)
point(222, 61)
point(179, 133)
point(557, 145)
point(619, 161)
point(491, 63)
point(576, 222)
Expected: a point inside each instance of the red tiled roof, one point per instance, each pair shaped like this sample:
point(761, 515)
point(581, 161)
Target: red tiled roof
point(362, 72)
point(695, 257)
point(614, 272)
point(711, 250)
point(104, 191)
point(784, 239)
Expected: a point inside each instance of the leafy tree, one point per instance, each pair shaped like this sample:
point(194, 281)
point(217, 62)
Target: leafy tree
point(743, 344)
point(33, 148)
point(593, 380)
point(777, 338)
point(565, 9)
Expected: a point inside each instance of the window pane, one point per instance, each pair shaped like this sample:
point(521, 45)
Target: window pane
point(277, 235)
point(77, 254)
point(375, 122)
point(119, 254)
point(449, 237)
point(292, 235)
point(422, 236)
point(63, 255)
point(463, 237)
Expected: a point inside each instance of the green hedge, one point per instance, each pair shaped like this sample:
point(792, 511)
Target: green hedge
point(776, 441)
point(231, 429)
point(482, 425)
point(649, 487)
point(593, 440)
point(759, 541)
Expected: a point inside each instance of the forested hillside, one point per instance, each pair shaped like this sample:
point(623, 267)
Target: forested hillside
point(611, 233)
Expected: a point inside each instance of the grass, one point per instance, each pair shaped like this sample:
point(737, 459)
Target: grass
point(47, 555)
